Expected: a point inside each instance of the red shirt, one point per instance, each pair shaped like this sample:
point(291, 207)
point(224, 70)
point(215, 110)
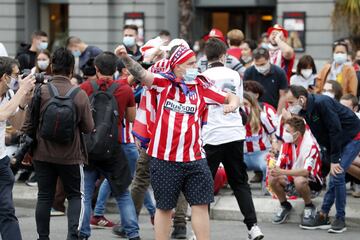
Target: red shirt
point(123, 94)
point(176, 134)
point(235, 52)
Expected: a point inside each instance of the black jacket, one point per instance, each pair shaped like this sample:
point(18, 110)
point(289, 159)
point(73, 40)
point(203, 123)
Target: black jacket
point(26, 57)
point(332, 124)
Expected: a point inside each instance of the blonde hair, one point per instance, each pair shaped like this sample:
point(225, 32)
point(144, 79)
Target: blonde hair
point(235, 37)
point(254, 116)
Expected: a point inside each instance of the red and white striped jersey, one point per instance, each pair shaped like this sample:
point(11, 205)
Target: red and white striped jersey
point(126, 133)
point(261, 141)
point(304, 156)
point(176, 134)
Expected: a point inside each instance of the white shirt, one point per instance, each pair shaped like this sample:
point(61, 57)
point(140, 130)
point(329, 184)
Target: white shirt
point(222, 128)
point(3, 101)
point(301, 81)
point(3, 52)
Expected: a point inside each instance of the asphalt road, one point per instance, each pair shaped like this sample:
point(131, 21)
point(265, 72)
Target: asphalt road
point(220, 230)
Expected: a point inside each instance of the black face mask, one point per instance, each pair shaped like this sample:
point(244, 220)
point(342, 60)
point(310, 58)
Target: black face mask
point(358, 61)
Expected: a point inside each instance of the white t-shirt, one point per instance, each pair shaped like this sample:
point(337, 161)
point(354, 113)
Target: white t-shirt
point(301, 81)
point(4, 100)
point(222, 128)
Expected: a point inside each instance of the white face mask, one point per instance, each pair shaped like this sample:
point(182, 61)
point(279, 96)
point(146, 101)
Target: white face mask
point(263, 69)
point(43, 64)
point(287, 137)
point(329, 94)
point(129, 41)
point(295, 109)
point(306, 73)
point(340, 58)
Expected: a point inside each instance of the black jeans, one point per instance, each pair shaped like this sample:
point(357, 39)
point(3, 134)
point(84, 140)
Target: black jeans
point(72, 177)
point(9, 226)
point(232, 157)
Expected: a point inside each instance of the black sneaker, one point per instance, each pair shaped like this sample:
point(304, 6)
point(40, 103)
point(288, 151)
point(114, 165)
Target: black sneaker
point(317, 222)
point(338, 226)
point(308, 216)
point(119, 231)
point(281, 215)
point(135, 238)
point(179, 232)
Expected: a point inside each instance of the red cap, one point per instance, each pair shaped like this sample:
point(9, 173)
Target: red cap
point(215, 33)
point(278, 28)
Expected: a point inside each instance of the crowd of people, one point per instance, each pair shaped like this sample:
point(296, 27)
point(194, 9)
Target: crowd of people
point(82, 124)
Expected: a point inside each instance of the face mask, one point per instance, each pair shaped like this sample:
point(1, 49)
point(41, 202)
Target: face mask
point(129, 41)
point(76, 53)
point(43, 64)
point(263, 69)
point(287, 137)
point(14, 84)
point(357, 61)
point(329, 94)
point(265, 45)
point(340, 58)
point(247, 59)
point(42, 45)
point(191, 74)
point(295, 109)
point(196, 48)
point(306, 73)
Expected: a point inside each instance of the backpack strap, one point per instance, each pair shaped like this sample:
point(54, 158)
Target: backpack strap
point(72, 92)
point(53, 90)
point(95, 86)
point(112, 88)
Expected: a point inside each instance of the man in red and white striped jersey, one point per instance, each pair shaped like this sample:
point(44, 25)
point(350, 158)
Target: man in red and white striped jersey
point(298, 169)
point(178, 163)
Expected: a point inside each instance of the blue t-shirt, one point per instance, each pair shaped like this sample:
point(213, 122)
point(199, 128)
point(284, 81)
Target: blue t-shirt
point(90, 52)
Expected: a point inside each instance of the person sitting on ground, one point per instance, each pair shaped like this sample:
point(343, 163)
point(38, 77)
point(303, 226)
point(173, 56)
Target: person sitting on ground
point(260, 131)
point(297, 169)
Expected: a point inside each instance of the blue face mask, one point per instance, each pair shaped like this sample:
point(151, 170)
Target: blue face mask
point(129, 41)
point(76, 53)
point(42, 45)
point(191, 74)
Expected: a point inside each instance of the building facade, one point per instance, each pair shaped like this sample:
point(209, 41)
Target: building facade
point(99, 22)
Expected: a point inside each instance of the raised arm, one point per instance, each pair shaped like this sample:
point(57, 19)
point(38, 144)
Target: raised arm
point(287, 51)
point(134, 67)
point(7, 110)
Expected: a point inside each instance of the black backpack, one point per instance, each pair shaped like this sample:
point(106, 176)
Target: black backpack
point(59, 119)
point(102, 142)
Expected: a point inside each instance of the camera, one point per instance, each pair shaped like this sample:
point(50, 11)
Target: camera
point(39, 77)
point(24, 147)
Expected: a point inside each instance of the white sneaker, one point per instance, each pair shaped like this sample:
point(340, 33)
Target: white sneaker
point(255, 233)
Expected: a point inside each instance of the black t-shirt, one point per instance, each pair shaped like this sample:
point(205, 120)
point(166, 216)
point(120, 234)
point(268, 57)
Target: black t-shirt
point(274, 81)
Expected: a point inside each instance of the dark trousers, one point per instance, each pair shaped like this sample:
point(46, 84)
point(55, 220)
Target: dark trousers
point(72, 178)
point(9, 226)
point(231, 155)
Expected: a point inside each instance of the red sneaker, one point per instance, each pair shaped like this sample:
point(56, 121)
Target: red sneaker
point(100, 222)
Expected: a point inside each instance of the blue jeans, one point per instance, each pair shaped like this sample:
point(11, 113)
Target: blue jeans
point(9, 225)
point(125, 204)
point(132, 154)
point(256, 161)
point(337, 187)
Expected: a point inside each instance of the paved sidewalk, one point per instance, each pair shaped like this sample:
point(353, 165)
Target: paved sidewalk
point(224, 208)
